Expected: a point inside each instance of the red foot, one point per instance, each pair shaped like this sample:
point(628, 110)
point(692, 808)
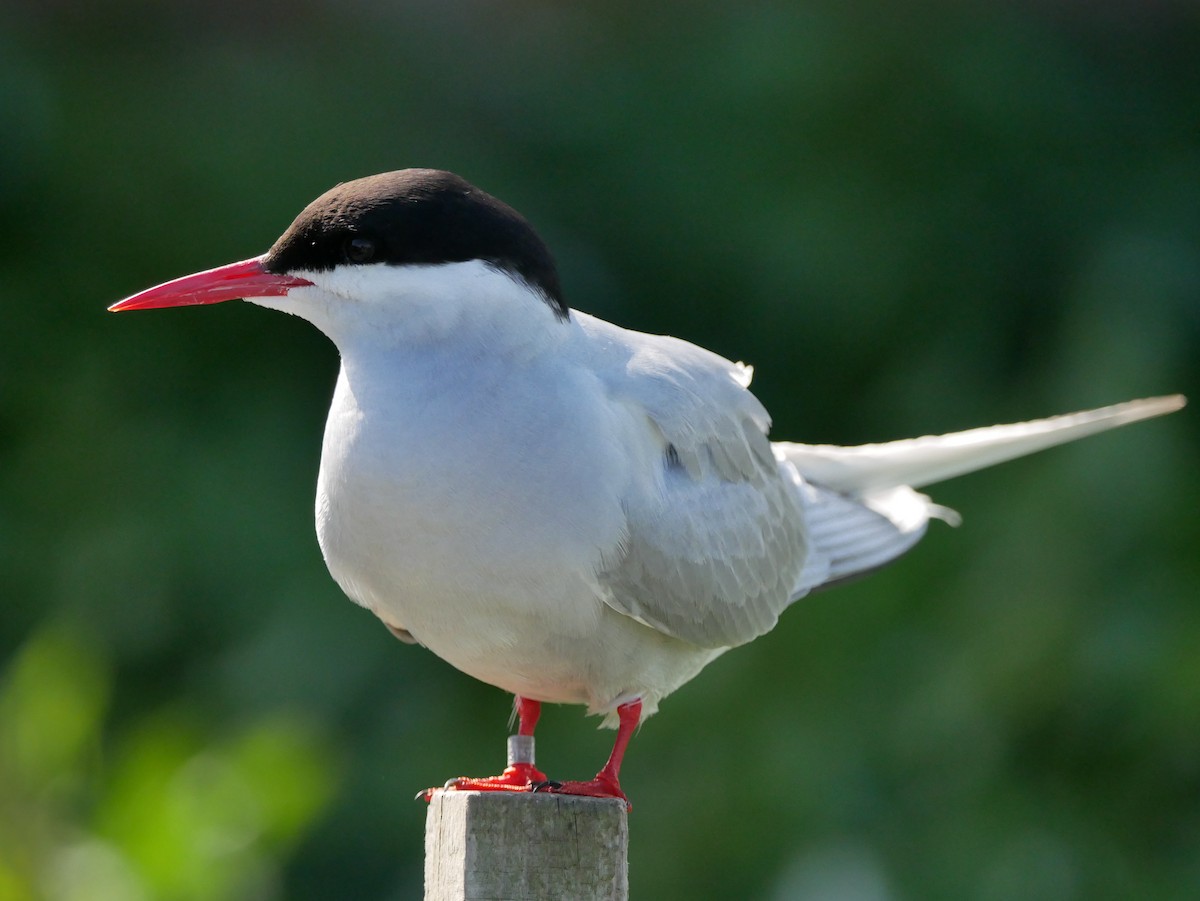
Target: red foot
point(520, 777)
point(523, 777)
point(607, 783)
point(603, 786)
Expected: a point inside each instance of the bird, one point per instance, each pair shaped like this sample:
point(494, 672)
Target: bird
point(572, 511)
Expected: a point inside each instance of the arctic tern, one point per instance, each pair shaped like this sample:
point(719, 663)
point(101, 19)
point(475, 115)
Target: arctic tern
point(569, 510)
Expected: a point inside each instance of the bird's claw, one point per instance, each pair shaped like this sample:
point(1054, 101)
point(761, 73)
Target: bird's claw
point(520, 777)
point(426, 794)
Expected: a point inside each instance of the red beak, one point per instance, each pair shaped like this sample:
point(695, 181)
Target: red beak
point(230, 282)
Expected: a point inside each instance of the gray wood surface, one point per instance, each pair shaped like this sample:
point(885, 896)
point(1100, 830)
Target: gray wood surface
point(496, 846)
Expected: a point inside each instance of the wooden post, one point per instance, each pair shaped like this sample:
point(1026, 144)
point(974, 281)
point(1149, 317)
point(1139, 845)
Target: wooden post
point(525, 845)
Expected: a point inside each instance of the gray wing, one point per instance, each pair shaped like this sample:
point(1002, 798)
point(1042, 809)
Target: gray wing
point(713, 551)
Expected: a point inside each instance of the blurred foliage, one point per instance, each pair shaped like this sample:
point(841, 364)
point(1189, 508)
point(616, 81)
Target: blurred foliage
point(910, 218)
point(173, 811)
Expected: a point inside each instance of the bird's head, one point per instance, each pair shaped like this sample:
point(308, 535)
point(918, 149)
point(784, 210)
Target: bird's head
point(411, 254)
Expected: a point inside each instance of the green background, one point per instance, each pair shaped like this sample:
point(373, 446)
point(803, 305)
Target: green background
point(910, 217)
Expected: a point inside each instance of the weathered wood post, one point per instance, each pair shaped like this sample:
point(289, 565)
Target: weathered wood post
point(522, 845)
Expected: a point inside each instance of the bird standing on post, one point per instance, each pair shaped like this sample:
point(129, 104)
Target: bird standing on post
point(569, 510)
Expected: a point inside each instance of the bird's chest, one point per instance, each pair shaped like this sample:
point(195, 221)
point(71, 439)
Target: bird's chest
point(464, 495)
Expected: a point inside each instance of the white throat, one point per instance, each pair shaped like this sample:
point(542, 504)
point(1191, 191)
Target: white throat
point(380, 306)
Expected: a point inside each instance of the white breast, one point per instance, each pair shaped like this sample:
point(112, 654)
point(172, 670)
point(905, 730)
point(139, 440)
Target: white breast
point(472, 506)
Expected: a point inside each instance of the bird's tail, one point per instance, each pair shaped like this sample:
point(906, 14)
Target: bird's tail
point(914, 462)
point(861, 509)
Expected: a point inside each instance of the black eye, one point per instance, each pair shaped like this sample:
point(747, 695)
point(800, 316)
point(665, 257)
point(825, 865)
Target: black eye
point(358, 250)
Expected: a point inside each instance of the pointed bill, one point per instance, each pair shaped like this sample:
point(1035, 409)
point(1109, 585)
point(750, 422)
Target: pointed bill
point(247, 278)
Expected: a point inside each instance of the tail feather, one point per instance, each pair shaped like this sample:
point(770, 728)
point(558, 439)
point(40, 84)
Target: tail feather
point(861, 511)
point(913, 462)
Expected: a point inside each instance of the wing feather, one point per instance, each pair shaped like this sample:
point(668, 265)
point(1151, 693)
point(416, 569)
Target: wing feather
point(714, 542)
point(848, 538)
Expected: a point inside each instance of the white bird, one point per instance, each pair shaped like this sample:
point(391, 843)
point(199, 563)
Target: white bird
point(569, 510)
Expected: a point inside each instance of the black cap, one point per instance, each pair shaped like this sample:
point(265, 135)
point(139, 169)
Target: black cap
point(415, 216)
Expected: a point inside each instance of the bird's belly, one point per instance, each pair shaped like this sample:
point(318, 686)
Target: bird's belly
point(526, 616)
point(546, 635)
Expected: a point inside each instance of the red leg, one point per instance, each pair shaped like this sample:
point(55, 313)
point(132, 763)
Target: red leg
point(520, 775)
point(527, 715)
point(607, 783)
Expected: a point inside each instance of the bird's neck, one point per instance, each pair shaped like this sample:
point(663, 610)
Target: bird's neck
point(464, 310)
